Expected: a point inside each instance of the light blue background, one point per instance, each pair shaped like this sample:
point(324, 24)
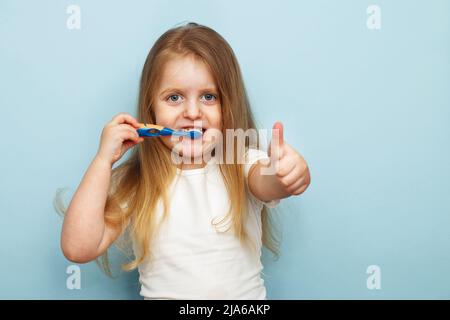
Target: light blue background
point(369, 111)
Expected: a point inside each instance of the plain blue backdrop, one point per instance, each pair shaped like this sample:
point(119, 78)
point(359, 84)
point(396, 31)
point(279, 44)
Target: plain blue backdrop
point(368, 109)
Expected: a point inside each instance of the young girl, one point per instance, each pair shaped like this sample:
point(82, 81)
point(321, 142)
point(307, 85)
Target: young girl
point(196, 227)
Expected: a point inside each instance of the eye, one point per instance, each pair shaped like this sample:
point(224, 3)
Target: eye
point(173, 98)
point(210, 97)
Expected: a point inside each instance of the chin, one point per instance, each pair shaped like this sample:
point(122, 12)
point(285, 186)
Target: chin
point(189, 149)
point(193, 149)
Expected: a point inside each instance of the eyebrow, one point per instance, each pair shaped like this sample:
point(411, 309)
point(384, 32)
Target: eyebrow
point(181, 90)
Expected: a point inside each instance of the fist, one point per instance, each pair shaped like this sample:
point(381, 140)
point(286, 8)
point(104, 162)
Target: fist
point(291, 170)
point(118, 136)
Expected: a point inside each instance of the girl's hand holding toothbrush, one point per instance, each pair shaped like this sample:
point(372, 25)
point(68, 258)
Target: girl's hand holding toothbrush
point(117, 137)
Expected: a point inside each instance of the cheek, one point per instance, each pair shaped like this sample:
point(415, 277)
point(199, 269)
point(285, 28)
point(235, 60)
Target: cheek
point(216, 118)
point(164, 117)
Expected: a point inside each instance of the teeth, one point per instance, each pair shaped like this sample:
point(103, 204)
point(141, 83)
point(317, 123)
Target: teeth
point(192, 129)
point(193, 133)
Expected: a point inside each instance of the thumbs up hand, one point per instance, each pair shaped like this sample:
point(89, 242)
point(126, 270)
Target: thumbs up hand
point(291, 171)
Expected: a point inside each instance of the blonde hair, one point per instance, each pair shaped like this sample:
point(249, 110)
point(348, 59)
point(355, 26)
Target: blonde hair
point(143, 179)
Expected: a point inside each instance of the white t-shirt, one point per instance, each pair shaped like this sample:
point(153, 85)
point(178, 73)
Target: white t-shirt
point(191, 259)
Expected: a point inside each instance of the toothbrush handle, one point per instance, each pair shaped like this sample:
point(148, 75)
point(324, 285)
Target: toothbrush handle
point(166, 131)
point(156, 131)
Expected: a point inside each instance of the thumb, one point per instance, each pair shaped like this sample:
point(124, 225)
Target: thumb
point(276, 142)
point(277, 130)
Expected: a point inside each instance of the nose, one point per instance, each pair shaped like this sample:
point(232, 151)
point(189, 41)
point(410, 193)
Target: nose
point(192, 110)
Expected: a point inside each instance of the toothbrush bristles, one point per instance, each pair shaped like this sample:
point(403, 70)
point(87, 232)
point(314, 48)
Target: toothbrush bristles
point(192, 133)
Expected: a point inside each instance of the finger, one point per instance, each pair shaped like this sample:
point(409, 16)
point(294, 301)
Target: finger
point(277, 132)
point(276, 142)
point(127, 132)
point(125, 118)
point(130, 134)
point(127, 145)
point(126, 126)
point(292, 176)
point(300, 190)
point(297, 184)
point(287, 165)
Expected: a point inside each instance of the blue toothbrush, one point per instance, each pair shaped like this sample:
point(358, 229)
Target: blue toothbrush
point(154, 130)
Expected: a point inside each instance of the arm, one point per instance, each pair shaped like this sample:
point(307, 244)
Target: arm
point(285, 174)
point(84, 234)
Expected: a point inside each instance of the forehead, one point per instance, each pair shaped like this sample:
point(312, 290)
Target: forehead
point(186, 73)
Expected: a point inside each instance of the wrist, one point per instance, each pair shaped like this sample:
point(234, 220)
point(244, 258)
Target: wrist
point(103, 161)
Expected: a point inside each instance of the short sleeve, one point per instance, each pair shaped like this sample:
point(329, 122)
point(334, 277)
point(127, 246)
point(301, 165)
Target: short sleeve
point(251, 157)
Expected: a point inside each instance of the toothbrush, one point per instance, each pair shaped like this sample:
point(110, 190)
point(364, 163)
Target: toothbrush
point(154, 130)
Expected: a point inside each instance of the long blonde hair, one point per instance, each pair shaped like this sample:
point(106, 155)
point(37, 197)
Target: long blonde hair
point(142, 180)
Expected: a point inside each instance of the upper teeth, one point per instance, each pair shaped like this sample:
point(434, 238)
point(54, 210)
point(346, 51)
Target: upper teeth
point(195, 129)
